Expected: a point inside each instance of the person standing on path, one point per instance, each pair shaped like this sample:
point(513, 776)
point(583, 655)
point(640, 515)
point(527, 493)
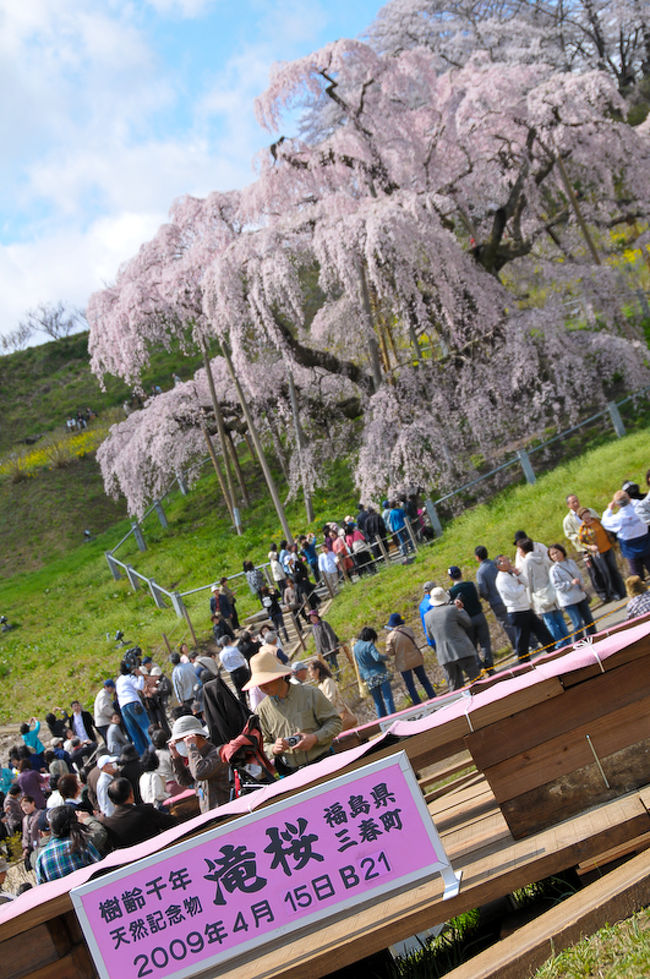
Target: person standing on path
point(401, 644)
point(467, 593)
point(233, 660)
point(511, 585)
point(451, 629)
point(128, 688)
point(373, 671)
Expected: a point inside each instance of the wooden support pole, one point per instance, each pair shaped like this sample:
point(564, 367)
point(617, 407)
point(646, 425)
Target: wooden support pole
point(222, 432)
point(270, 482)
point(232, 448)
point(382, 548)
point(217, 469)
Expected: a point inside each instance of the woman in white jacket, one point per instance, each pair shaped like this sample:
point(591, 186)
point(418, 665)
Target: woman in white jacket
point(568, 585)
point(541, 593)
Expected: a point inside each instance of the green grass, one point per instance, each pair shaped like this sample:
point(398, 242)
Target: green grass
point(66, 608)
point(620, 951)
point(537, 509)
point(41, 386)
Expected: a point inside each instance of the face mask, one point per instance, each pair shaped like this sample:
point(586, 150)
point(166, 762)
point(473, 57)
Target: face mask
point(181, 748)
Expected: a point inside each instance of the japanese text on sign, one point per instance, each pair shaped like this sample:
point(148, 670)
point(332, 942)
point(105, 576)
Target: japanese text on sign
point(333, 846)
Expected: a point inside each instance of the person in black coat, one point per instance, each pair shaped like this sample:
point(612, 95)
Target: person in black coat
point(220, 627)
point(375, 527)
point(81, 722)
point(132, 823)
point(131, 769)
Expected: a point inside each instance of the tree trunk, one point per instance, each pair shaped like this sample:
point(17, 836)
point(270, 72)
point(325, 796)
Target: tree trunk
point(279, 509)
point(300, 441)
point(215, 463)
point(371, 340)
point(238, 470)
point(277, 445)
point(573, 200)
point(220, 428)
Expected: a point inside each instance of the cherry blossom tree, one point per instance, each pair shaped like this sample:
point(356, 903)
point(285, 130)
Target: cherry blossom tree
point(570, 35)
point(158, 299)
point(420, 191)
point(394, 278)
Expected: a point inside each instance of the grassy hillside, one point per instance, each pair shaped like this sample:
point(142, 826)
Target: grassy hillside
point(45, 508)
point(45, 516)
point(41, 386)
point(66, 609)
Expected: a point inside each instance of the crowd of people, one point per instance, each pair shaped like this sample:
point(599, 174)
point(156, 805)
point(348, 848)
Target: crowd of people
point(530, 594)
point(100, 780)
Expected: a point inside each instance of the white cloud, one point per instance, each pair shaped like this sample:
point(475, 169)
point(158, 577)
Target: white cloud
point(100, 133)
point(70, 263)
point(181, 8)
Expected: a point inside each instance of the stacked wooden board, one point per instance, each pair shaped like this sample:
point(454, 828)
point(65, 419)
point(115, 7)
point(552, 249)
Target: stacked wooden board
point(525, 732)
point(588, 743)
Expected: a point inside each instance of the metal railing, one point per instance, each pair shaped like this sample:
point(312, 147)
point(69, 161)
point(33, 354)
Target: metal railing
point(163, 597)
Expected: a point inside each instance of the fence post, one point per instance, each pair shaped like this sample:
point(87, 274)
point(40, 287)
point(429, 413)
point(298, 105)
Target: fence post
point(615, 416)
point(113, 567)
point(433, 517)
point(409, 527)
point(178, 604)
point(158, 507)
point(524, 461)
point(134, 581)
point(155, 594)
point(181, 611)
point(382, 548)
point(182, 485)
point(139, 536)
point(328, 585)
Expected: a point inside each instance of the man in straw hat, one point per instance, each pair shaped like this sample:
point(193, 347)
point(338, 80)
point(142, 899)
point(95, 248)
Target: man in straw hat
point(298, 722)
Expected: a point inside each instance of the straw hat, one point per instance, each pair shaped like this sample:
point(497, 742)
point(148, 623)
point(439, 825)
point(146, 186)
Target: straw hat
point(265, 667)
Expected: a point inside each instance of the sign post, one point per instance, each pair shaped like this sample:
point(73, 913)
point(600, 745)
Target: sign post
point(244, 887)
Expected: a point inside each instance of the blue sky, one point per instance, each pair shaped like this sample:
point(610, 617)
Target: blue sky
point(112, 108)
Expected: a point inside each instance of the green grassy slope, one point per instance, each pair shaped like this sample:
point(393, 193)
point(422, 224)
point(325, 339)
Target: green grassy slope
point(41, 386)
point(66, 608)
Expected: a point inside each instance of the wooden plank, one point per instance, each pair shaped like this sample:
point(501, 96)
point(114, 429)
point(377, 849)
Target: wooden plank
point(46, 944)
point(629, 654)
point(617, 895)
point(414, 910)
point(615, 853)
point(452, 786)
point(445, 771)
point(644, 795)
point(564, 754)
point(77, 964)
point(518, 700)
point(573, 792)
point(579, 705)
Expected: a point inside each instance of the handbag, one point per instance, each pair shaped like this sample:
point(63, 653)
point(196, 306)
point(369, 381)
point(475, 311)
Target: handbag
point(349, 719)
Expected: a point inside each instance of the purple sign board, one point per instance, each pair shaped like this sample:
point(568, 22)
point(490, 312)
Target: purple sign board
point(244, 886)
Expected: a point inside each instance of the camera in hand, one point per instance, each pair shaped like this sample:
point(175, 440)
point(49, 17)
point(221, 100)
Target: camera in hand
point(293, 740)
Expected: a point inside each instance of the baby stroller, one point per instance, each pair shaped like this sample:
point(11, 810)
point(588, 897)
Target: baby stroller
point(250, 769)
point(237, 731)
